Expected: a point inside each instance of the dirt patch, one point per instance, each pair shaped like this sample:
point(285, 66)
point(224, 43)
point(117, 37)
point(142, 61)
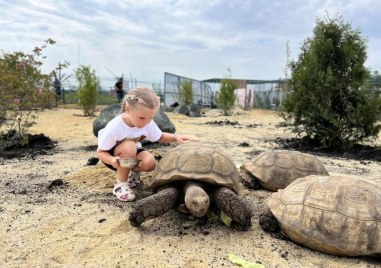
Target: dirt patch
point(29, 146)
point(59, 211)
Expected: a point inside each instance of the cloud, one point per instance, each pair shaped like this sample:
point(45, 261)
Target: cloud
point(198, 39)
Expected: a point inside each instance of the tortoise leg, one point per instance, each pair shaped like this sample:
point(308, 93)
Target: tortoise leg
point(267, 221)
point(153, 206)
point(234, 206)
point(250, 181)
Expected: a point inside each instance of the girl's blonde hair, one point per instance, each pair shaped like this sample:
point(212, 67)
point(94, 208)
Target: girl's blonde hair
point(143, 96)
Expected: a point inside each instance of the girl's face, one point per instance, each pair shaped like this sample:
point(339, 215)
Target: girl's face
point(140, 115)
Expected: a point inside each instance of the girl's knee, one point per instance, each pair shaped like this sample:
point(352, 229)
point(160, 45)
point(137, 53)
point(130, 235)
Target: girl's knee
point(126, 149)
point(148, 164)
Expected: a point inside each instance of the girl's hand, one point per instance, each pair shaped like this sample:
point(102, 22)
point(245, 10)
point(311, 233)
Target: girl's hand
point(184, 138)
point(115, 162)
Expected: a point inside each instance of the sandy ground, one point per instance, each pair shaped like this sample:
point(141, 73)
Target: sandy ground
point(81, 224)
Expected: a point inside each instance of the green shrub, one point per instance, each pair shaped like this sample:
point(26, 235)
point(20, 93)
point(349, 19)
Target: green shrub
point(329, 101)
point(225, 97)
point(88, 84)
point(185, 92)
point(24, 90)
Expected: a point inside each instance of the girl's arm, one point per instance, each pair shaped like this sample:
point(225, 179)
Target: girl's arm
point(107, 158)
point(169, 137)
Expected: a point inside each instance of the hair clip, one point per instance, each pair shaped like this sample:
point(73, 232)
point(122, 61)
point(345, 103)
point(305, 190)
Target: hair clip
point(139, 100)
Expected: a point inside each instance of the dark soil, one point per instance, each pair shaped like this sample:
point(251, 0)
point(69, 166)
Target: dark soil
point(307, 145)
point(13, 146)
point(223, 123)
point(357, 152)
point(230, 123)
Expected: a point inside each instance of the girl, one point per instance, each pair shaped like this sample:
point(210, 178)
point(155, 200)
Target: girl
point(122, 135)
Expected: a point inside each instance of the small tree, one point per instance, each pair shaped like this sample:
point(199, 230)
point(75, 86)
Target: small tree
point(225, 97)
point(87, 89)
point(328, 101)
point(185, 92)
point(24, 90)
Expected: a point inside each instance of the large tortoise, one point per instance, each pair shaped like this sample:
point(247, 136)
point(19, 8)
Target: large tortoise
point(331, 214)
point(276, 169)
point(195, 174)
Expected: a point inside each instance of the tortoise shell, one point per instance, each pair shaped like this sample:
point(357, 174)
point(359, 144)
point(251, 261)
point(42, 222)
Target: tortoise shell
point(276, 169)
point(195, 161)
point(331, 214)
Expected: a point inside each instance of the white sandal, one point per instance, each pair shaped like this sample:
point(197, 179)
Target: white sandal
point(123, 192)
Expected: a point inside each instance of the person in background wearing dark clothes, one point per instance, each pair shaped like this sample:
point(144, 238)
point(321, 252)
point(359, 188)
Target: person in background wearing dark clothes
point(119, 90)
point(57, 86)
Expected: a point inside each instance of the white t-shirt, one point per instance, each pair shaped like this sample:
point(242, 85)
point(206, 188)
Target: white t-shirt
point(117, 131)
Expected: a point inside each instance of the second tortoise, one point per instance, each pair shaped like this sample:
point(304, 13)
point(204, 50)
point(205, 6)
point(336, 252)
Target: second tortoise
point(276, 169)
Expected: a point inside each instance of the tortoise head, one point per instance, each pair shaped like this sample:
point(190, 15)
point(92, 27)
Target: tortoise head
point(196, 200)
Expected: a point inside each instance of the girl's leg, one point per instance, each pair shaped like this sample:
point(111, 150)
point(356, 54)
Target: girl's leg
point(126, 149)
point(122, 190)
point(146, 164)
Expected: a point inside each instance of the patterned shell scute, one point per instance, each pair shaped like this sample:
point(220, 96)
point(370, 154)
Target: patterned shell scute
point(331, 214)
point(194, 161)
point(277, 169)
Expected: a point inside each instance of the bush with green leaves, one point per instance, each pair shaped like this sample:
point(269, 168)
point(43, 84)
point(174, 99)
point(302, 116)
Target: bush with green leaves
point(24, 91)
point(226, 97)
point(88, 84)
point(185, 92)
point(329, 100)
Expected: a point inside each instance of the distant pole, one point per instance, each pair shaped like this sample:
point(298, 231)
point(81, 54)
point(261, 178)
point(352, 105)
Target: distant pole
point(123, 85)
point(78, 49)
point(62, 89)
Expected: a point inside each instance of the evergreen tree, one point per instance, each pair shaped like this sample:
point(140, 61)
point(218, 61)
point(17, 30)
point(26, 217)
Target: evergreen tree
point(329, 101)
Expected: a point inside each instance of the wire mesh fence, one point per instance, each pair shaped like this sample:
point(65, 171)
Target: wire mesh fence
point(202, 92)
point(264, 95)
point(106, 94)
point(260, 94)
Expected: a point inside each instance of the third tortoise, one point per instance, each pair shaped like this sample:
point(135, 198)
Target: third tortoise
point(332, 214)
point(273, 170)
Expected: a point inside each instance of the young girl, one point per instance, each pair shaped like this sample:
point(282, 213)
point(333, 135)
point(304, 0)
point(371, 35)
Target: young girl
point(122, 135)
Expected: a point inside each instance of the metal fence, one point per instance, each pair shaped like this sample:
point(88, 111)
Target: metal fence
point(262, 94)
point(269, 94)
point(202, 92)
point(106, 90)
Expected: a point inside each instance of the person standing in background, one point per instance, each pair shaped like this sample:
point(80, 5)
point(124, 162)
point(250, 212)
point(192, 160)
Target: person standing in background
point(57, 86)
point(119, 90)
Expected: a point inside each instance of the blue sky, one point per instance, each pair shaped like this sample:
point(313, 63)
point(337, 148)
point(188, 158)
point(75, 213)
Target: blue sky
point(193, 38)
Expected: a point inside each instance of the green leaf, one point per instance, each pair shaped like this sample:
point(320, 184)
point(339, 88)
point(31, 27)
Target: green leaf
point(225, 219)
point(212, 217)
point(241, 262)
point(190, 223)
